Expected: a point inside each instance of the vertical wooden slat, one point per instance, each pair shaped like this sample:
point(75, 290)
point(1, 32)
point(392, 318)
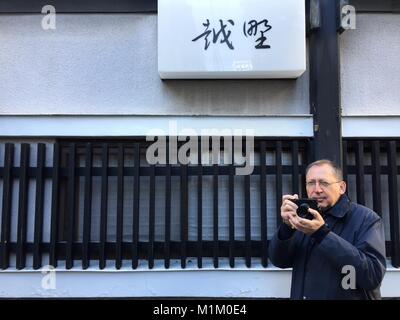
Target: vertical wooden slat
point(151, 216)
point(22, 206)
point(103, 205)
point(184, 214)
point(54, 205)
point(393, 204)
point(278, 178)
point(38, 231)
point(344, 160)
point(247, 222)
point(360, 184)
point(167, 249)
point(6, 206)
point(120, 206)
point(136, 208)
point(71, 207)
point(376, 178)
point(263, 204)
point(307, 158)
point(87, 209)
point(199, 207)
point(215, 216)
point(231, 212)
point(295, 167)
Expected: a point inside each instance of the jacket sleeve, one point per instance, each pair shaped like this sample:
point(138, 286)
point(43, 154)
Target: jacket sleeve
point(282, 247)
point(367, 255)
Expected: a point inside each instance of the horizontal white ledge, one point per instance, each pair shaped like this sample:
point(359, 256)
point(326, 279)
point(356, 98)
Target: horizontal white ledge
point(370, 126)
point(240, 282)
point(130, 125)
point(114, 126)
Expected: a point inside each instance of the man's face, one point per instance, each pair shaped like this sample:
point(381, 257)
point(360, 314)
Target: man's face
point(324, 186)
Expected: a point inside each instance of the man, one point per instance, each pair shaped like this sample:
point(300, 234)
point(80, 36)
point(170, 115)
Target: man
point(340, 253)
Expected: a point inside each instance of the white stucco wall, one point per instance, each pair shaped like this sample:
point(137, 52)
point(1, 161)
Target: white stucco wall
point(107, 64)
point(370, 66)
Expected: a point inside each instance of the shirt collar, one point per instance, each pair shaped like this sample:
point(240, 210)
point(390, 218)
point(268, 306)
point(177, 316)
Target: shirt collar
point(341, 207)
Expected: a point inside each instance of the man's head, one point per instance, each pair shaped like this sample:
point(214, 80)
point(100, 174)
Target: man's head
point(324, 182)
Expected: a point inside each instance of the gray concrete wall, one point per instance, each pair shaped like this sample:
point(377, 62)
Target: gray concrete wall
point(107, 64)
point(370, 66)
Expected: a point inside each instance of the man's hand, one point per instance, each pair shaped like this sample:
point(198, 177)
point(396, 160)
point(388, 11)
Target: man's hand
point(288, 209)
point(307, 226)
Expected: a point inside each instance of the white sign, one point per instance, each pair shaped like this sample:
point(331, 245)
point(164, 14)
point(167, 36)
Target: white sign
point(231, 39)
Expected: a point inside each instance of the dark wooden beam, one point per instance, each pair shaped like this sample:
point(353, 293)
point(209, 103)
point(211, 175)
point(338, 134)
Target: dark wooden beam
point(132, 6)
point(325, 83)
point(79, 6)
point(389, 6)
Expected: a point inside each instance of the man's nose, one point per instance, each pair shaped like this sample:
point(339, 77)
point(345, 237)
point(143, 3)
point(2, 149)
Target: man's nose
point(318, 188)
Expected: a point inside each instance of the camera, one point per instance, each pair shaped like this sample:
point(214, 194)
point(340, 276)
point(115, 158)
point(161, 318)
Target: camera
point(304, 205)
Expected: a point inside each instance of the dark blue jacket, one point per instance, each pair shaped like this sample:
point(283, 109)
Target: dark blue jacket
point(356, 238)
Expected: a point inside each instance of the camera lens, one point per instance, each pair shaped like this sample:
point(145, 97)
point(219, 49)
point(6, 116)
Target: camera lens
point(305, 206)
point(303, 209)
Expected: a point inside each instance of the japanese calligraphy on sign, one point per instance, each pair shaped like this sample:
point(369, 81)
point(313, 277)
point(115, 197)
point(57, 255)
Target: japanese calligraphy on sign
point(231, 39)
point(222, 32)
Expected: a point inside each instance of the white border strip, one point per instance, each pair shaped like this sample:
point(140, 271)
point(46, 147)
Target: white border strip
point(240, 282)
point(374, 126)
point(114, 126)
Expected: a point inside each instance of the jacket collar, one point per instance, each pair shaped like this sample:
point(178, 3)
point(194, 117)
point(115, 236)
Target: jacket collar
point(341, 207)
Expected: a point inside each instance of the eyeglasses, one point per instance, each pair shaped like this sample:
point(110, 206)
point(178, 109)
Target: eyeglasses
point(322, 184)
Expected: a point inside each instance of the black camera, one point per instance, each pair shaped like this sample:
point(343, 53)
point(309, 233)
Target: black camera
point(304, 205)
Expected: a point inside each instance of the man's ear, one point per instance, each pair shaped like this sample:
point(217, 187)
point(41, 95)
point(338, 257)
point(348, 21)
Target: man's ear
point(343, 187)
